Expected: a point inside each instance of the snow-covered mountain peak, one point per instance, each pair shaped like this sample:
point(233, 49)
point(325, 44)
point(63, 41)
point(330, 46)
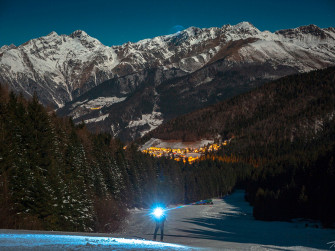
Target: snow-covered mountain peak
point(192, 31)
point(305, 30)
point(309, 28)
point(7, 47)
point(86, 40)
point(194, 35)
point(330, 29)
point(52, 34)
point(63, 67)
point(309, 36)
point(244, 25)
point(244, 28)
point(78, 34)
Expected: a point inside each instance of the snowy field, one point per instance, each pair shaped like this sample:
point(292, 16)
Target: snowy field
point(226, 225)
point(229, 225)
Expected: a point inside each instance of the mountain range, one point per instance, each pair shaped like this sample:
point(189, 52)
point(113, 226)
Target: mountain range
point(130, 89)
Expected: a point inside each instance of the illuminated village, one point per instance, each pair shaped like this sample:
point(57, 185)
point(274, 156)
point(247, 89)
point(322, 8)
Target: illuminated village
point(183, 154)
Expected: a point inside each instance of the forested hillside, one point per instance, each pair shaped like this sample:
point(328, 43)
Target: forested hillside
point(286, 130)
point(291, 107)
point(58, 176)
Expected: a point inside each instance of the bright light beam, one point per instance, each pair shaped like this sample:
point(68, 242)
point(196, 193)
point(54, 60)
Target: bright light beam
point(158, 212)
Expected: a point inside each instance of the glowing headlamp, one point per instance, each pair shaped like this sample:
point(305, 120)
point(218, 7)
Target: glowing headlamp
point(158, 212)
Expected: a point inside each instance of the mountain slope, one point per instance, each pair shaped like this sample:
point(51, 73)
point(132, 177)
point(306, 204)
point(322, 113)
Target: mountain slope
point(297, 106)
point(182, 72)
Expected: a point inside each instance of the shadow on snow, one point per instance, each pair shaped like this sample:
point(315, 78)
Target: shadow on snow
point(238, 225)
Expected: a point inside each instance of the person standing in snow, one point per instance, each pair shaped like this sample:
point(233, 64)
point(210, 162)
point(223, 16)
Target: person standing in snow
point(160, 224)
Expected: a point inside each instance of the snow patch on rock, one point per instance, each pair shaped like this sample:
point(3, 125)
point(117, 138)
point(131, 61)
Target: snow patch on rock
point(98, 119)
point(103, 101)
point(153, 120)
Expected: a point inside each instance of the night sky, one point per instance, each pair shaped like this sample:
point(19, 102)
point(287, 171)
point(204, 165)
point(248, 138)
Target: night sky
point(117, 22)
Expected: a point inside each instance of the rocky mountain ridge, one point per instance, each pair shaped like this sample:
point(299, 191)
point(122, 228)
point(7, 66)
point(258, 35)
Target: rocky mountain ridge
point(130, 89)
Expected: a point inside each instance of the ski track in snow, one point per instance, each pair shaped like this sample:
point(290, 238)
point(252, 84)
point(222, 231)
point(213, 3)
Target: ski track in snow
point(226, 225)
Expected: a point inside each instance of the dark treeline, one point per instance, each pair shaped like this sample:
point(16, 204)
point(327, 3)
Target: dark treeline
point(55, 175)
point(300, 183)
point(286, 130)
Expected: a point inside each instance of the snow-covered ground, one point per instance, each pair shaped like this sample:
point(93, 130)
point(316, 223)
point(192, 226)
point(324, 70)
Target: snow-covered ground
point(229, 225)
point(42, 240)
point(226, 225)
